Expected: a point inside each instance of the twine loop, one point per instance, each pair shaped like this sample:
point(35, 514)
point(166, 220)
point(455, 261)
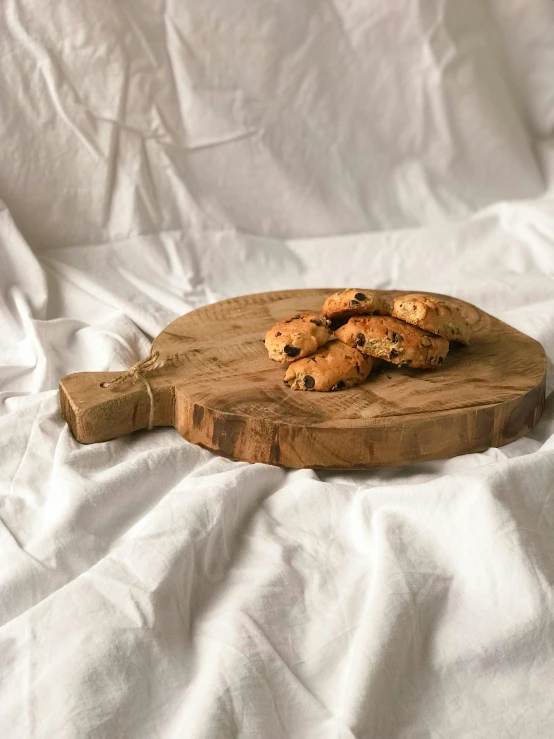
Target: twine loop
point(140, 372)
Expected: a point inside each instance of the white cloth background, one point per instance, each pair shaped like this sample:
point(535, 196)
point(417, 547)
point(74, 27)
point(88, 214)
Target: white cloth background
point(157, 155)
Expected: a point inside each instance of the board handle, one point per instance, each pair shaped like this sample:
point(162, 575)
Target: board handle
point(97, 408)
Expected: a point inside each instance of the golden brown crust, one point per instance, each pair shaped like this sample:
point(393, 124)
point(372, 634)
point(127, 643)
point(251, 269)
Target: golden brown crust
point(432, 314)
point(393, 340)
point(334, 366)
point(354, 301)
point(297, 336)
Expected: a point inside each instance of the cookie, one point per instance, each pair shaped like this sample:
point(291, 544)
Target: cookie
point(333, 367)
point(432, 314)
point(297, 337)
point(353, 302)
point(393, 340)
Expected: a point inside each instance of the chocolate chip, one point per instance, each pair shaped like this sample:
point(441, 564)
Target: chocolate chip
point(316, 321)
point(360, 296)
point(309, 381)
point(393, 353)
point(340, 385)
point(278, 333)
point(291, 351)
point(354, 304)
point(360, 340)
point(396, 338)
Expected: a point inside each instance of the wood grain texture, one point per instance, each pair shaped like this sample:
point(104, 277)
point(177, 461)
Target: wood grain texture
point(228, 396)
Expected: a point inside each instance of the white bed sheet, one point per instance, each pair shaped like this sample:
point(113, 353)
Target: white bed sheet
point(156, 156)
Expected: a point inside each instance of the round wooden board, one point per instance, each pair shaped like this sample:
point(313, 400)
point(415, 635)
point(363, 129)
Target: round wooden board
point(228, 396)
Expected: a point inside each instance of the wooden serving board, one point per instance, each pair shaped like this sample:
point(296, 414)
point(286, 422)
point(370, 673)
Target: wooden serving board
point(228, 396)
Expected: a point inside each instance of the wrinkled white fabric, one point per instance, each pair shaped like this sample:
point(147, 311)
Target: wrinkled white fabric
point(156, 156)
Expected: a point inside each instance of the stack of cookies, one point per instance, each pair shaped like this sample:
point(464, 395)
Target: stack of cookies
point(338, 348)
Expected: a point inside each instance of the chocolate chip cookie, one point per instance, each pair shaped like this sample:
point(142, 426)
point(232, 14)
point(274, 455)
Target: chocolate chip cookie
point(393, 340)
point(334, 366)
point(297, 337)
point(354, 302)
point(432, 314)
